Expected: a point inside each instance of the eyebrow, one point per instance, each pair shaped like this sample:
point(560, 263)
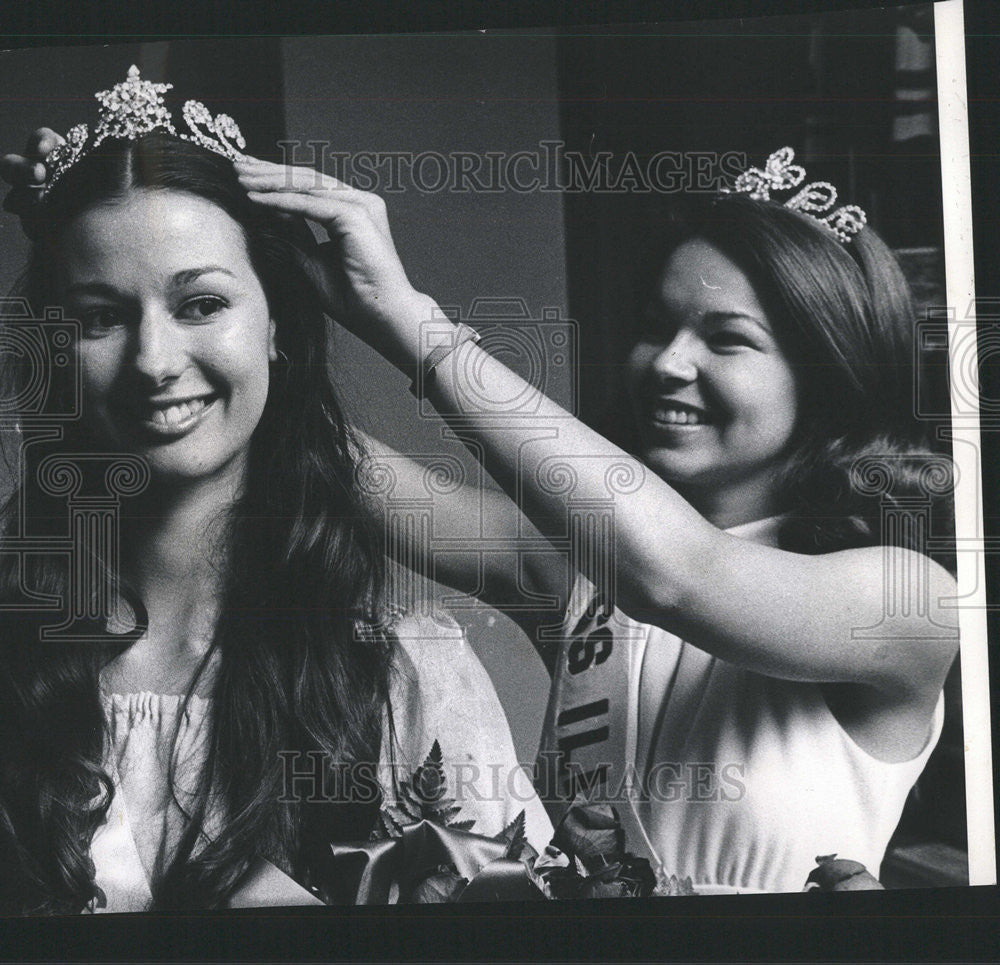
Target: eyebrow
point(177, 280)
point(92, 288)
point(189, 275)
point(720, 317)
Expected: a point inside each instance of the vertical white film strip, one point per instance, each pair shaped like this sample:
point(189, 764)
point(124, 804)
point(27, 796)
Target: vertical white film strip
point(949, 33)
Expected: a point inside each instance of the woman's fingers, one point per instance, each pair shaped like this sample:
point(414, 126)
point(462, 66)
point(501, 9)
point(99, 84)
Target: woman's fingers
point(331, 212)
point(359, 276)
point(22, 174)
point(20, 171)
point(41, 142)
point(28, 169)
point(266, 176)
point(327, 199)
point(293, 202)
point(278, 177)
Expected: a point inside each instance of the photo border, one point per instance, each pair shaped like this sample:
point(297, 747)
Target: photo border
point(953, 131)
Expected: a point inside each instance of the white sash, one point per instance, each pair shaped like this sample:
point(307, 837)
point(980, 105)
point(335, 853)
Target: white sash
point(589, 739)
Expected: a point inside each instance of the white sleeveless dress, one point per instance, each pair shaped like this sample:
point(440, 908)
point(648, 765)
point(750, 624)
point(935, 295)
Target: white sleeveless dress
point(748, 778)
point(440, 691)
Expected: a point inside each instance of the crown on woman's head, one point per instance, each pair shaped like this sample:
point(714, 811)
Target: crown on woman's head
point(779, 174)
point(133, 108)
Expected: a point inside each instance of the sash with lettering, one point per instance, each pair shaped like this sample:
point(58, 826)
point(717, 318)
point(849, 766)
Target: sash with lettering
point(592, 724)
point(587, 747)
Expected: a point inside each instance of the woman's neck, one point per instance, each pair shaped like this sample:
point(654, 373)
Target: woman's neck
point(174, 558)
point(733, 505)
point(174, 535)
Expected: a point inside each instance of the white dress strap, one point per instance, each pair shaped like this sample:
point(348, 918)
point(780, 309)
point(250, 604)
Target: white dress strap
point(119, 870)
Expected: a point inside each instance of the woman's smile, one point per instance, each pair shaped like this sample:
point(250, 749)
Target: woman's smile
point(170, 419)
point(672, 415)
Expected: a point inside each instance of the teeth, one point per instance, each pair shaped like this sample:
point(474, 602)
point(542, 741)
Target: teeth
point(175, 414)
point(682, 417)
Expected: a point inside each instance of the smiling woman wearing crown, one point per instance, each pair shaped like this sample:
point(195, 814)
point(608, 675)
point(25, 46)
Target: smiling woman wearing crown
point(149, 770)
point(740, 688)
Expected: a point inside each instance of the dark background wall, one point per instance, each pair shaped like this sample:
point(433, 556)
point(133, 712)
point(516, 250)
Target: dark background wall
point(466, 93)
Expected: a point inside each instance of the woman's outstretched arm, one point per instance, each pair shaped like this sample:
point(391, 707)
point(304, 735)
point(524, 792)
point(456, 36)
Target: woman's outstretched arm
point(733, 598)
point(504, 575)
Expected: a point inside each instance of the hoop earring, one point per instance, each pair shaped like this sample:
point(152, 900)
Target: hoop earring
point(282, 357)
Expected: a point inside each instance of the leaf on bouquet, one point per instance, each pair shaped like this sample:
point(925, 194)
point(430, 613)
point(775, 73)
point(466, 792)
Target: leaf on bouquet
point(385, 828)
point(594, 887)
point(410, 802)
point(400, 814)
point(636, 876)
point(587, 860)
point(513, 837)
point(445, 814)
point(840, 874)
point(592, 833)
point(442, 885)
point(421, 798)
point(556, 881)
point(428, 781)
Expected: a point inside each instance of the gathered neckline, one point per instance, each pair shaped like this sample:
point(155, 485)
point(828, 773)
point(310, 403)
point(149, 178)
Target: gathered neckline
point(139, 697)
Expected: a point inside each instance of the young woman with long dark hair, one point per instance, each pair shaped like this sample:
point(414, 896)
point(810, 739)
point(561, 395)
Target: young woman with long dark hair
point(150, 769)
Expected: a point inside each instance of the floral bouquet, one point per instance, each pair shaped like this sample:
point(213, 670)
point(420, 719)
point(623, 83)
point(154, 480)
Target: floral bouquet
point(419, 852)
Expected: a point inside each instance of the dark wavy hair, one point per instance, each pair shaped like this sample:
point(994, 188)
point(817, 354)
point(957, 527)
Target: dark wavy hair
point(844, 316)
point(302, 655)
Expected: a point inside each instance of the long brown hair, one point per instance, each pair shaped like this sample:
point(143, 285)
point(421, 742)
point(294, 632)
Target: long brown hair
point(302, 666)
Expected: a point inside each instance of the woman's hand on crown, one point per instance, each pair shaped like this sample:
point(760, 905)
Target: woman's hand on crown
point(358, 273)
point(24, 172)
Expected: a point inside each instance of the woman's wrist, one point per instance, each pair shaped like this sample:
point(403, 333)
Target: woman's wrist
point(408, 327)
point(442, 341)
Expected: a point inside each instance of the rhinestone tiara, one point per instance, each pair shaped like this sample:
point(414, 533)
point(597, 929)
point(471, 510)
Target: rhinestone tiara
point(816, 200)
point(133, 108)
